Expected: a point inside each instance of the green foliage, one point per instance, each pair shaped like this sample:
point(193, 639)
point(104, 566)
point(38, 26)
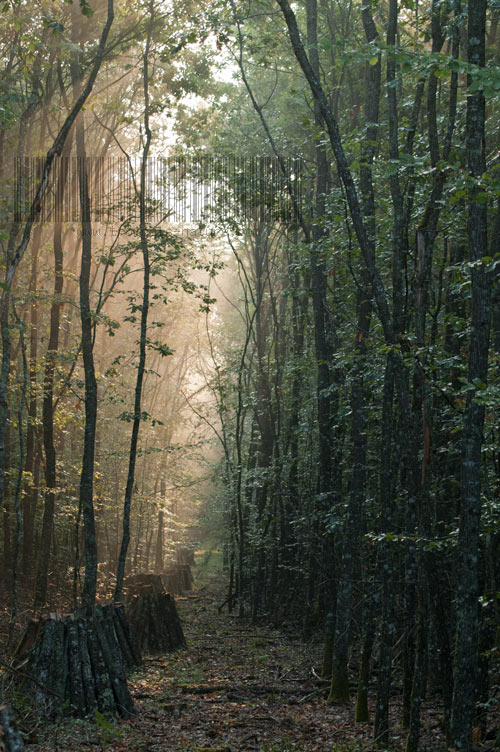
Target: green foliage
point(109, 732)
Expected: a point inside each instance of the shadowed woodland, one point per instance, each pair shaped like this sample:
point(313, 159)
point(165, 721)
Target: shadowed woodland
point(249, 382)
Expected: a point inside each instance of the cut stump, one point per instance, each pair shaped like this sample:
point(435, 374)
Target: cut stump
point(184, 555)
point(155, 622)
point(10, 738)
point(178, 578)
point(75, 664)
point(143, 584)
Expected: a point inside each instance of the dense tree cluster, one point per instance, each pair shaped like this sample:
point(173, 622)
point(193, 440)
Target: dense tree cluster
point(359, 419)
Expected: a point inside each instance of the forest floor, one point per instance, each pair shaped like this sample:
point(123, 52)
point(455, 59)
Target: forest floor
point(237, 687)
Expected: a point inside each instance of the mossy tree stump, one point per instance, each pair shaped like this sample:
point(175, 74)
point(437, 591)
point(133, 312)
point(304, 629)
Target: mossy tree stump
point(153, 616)
point(155, 622)
point(76, 664)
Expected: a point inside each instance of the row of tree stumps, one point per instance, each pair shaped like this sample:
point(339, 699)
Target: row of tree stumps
point(77, 664)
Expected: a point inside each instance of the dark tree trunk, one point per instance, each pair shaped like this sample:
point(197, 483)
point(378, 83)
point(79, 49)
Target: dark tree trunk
point(144, 325)
point(369, 631)
point(48, 406)
point(87, 472)
point(6, 504)
point(386, 553)
point(352, 535)
point(5, 303)
point(327, 382)
point(318, 282)
point(466, 651)
point(31, 490)
point(419, 676)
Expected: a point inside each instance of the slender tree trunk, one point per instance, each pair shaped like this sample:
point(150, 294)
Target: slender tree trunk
point(369, 631)
point(339, 689)
point(326, 381)
point(419, 675)
point(48, 406)
point(31, 491)
point(5, 302)
point(144, 324)
point(466, 651)
point(365, 242)
point(87, 473)
point(19, 481)
point(386, 570)
point(159, 543)
point(6, 502)
point(55, 150)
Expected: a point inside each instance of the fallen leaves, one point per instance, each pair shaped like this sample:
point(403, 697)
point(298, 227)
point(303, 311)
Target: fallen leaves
point(238, 688)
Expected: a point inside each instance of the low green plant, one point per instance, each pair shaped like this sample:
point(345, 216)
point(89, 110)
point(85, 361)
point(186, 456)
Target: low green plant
point(107, 730)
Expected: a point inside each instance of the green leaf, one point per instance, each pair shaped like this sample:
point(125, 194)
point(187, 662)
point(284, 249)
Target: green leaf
point(56, 26)
point(102, 722)
point(86, 9)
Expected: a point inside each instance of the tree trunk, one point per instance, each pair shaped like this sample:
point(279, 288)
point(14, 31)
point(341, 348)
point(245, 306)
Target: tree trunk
point(144, 324)
point(31, 490)
point(48, 406)
point(327, 381)
point(466, 651)
point(87, 472)
point(159, 543)
point(339, 689)
point(386, 553)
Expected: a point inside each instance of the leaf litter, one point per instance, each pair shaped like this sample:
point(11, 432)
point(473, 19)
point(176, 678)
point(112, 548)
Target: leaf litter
point(237, 688)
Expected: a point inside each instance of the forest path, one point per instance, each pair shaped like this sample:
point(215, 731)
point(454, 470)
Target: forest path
point(238, 687)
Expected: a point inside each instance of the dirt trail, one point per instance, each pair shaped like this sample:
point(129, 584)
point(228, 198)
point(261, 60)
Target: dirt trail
point(236, 688)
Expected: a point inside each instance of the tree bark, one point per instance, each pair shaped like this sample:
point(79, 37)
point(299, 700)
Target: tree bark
point(144, 322)
point(466, 650)
point(87, 472)
point(339, 689)
point(48, 406)
point(386, 553)
point(31, 490)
